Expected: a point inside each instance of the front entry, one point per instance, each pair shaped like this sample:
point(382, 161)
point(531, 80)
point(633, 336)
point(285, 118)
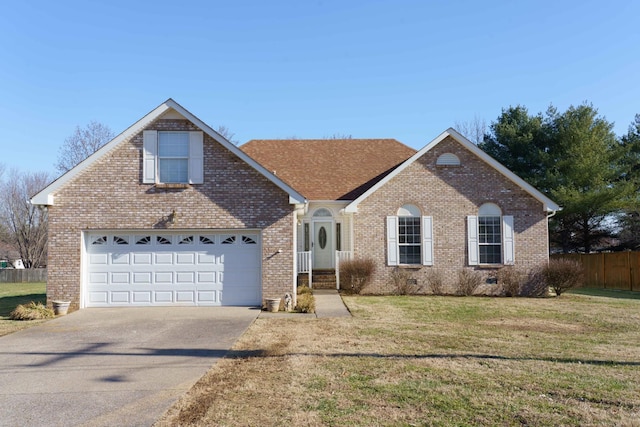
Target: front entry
point(322, 245)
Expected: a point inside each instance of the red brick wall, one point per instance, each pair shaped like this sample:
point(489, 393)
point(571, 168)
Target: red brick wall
point(449, 194)
point(110, 195)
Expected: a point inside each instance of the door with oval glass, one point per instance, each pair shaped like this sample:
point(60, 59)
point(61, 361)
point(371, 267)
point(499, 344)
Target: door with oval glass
point(322, 244)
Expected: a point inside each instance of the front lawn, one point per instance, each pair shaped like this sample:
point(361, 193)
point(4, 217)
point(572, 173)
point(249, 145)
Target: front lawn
point(572, 360)
point(12, 294)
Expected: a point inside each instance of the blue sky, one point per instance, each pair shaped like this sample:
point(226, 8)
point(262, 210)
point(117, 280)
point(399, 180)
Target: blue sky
point(275, 69)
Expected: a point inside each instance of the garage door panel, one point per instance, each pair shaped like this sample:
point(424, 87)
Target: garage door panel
point(120, 259)
point(164, 277)
point(185, 296)
point(120, 297)
point(169, 269)
point(142, 278)
point(143, 258)
point(207, 277)
point(99, 278)
point(185, 258)
point(186, 277)
point(120, 278)
point(141, 297)
point(163, 297)
point(99, 259)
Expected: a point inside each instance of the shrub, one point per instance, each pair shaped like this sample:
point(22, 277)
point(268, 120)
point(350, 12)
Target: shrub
point(306, 303)
point(435, 279)
point(511, 279)
point(535, 285)
point(563, 274)
point(303, 290)
point(468, 281)
point(403, 282)
point(355, 274)
point(31, 311)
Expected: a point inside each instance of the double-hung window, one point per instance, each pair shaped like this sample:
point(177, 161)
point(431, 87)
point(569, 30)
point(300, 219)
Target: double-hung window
point(174, 157)
point(409, 238)
point(490, 237)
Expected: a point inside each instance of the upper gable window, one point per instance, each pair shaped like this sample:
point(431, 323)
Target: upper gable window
point(448, 159)
point(172, 157)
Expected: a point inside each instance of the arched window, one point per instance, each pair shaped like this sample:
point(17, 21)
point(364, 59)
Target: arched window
point(448, 159)
point(322, 212)
point(490, 236)
point(409, 240)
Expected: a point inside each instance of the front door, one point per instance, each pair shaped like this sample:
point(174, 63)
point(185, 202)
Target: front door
point(322, 245)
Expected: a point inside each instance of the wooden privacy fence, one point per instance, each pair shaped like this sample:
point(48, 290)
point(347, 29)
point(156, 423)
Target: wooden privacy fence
point(614, 270)
point(10, 275)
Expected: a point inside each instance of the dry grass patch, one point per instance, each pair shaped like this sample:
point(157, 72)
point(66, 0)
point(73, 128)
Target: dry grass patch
point(431, 361)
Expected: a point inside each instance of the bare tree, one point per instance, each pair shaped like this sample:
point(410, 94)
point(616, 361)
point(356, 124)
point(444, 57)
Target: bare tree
point(25, 225)
point(473, 130)
point(227, 134)
point(81, 144)
point(337, 135)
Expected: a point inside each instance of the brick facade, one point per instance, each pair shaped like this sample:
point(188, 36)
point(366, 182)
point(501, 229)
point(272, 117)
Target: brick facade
point(109, 194)
point(449, 194)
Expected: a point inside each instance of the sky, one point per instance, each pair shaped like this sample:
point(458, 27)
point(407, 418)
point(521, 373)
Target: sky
point(309, 69)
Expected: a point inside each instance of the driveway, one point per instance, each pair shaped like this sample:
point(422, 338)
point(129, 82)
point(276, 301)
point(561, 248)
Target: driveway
point(111, 366)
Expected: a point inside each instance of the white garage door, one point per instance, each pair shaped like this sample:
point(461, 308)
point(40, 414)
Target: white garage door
point(165, 268)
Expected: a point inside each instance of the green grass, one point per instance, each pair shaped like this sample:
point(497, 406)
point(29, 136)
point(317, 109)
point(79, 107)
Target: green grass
point(13, 294)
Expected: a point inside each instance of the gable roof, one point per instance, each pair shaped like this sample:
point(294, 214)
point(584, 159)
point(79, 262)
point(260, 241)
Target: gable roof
point(548, 204)
point(45, 196)
point(329, 169)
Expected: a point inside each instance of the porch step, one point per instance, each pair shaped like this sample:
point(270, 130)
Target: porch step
point(321, 279)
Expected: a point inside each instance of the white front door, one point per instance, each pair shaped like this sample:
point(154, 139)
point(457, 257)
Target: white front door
point(322, 244)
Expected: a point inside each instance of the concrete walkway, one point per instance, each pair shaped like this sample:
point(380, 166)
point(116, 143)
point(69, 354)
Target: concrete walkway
point(329, 304)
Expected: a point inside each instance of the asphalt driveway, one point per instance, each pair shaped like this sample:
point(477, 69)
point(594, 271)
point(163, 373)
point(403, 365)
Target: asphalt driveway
point(108, 367)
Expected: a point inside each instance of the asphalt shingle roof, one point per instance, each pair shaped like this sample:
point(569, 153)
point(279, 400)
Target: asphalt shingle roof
point(329, 169)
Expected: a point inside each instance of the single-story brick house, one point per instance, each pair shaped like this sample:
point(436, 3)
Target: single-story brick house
point(171, 213)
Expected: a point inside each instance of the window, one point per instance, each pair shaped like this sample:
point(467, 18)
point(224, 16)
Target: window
point(172, 157)
point(448, 159)
point(409, 238)
point(490, 236)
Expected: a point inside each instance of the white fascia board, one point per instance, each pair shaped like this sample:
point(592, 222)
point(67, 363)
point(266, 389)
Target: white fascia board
point(45, 197)
point(548, 204)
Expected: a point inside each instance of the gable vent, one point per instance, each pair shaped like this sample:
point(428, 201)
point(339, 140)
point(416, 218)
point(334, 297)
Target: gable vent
point(448, 159)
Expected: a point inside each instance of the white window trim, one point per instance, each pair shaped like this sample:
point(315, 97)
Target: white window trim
point(508, 238)
point(393, 246)
point(150, 158)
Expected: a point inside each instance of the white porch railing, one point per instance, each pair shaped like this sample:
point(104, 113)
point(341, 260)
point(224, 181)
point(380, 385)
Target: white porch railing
point(341, 256)
point(304, 264)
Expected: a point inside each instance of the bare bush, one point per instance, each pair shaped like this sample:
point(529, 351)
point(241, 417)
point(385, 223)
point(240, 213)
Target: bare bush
point(355, 274)
point(511, 280)
point(563, 274)
point(435, 280)
point(403, 282)
point(468, 281)
point(304, 289)
point(535, 285)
